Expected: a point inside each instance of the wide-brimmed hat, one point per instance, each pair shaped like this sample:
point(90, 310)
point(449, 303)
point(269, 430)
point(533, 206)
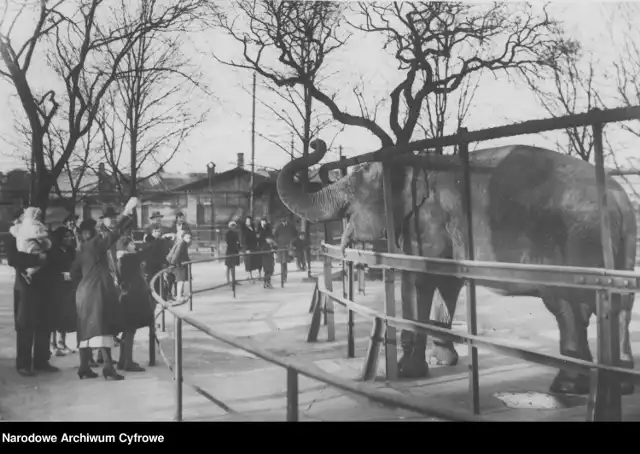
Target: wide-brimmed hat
point(156, 214)
point(110, 212)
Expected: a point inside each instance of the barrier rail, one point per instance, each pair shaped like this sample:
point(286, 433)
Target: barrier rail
point(294, 369)
point(605, 396)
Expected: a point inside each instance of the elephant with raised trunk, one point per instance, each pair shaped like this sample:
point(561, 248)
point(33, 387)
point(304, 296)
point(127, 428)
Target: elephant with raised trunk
point(529, 205)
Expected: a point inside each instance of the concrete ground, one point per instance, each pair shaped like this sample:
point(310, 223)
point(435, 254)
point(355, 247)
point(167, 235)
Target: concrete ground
point(253, 389)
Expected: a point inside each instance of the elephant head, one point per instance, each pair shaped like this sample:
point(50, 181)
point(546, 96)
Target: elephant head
point(358, 196)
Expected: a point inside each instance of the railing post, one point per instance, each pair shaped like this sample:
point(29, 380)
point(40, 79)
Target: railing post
point(373, 351)
point(152, 331)
point(605, 402)
point(177, 354)
point(351, 346)
point(283, 268)
point(292, 395)
point(328, 302)
point(472, 316)
point(163, 289)
point(233, 280)
point(391, 338)
point(190, 287)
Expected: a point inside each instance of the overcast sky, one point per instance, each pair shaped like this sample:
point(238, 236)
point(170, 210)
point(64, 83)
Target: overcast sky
point(228, 129)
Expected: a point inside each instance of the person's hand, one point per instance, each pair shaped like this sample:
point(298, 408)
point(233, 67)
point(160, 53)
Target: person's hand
point(66, 275)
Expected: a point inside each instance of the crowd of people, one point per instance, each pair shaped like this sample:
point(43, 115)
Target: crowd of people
point(91, 279)
point(260, 242)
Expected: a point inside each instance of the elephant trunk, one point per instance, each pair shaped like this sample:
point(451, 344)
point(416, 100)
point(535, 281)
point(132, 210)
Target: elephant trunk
point(327, 204)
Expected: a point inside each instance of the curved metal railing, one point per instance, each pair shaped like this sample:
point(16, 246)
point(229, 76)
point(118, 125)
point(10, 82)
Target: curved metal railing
point(294, 367)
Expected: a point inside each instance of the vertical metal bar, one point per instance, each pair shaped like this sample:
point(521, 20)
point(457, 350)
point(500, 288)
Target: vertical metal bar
point(391, 338)
point(283, 259)
point(472, 316)
point(605, 403)
point(328, 302)
point(177, 354)
point(152, 337)
point(370, 368)
point(351, 345)
point(233, 280)
point(164, 298)
point(292, 395)
point(190, 288)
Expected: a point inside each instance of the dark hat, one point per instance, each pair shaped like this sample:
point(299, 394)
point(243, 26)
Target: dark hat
point(59, 233)
point(110, 212)
point(87, 224)
point(156, 214)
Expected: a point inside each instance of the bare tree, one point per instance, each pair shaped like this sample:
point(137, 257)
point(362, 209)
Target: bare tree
point(418, 34)
point(568, 87)
point(287, 108)
point(85, 42)
point(148, 112)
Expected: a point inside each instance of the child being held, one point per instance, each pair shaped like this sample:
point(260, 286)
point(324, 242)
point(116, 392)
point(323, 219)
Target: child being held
point(31, 237)
point(268, 261)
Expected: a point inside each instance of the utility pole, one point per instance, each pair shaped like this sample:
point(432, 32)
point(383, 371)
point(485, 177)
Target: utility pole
point(253, 147)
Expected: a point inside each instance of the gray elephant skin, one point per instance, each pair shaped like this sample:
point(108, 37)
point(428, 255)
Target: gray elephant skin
point(531, 205)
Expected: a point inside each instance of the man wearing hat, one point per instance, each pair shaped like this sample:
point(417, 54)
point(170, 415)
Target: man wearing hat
point(29, 304)
point(154, 229)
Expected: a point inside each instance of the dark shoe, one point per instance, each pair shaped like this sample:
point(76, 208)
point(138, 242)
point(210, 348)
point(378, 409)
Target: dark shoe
point(111, 374)
point(88, 373)
point(26, 372)
point(46, 368)
point(134, 367)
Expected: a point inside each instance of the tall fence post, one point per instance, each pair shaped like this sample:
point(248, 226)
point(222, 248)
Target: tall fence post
point(177, 354)
point(391, 338)
point(163, 290)
point(152, 330)
point(189, 269)
point(292, 395)
point(233, 280)
point(328, 302)
point(283, 268)
point(351, 344)
point(472, 316)
point(605, 402)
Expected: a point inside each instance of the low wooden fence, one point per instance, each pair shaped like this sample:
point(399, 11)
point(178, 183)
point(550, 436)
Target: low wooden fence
point(605, 396)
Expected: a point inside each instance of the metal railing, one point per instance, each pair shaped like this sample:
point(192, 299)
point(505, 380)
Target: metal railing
point(294, 368)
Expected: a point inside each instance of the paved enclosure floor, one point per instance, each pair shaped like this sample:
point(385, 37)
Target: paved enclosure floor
point(253, 389)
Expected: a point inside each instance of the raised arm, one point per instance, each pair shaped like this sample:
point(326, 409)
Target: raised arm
point(123, 222)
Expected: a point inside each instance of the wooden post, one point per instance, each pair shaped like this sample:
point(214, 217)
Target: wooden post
point(328, 302)
point(605, 402)
point(373, 352)
point(351, 344)
point(390, 344)
point(314, 298)
point(292, 395)
point(472, 316)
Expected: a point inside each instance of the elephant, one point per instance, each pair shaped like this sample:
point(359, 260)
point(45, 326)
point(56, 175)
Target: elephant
point(529, 205)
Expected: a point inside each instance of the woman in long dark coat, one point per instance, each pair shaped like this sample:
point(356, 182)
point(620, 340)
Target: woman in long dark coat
point(97, 299)
point(135, 299)
point(233, 248)
point(250, 243)
point(62, 256)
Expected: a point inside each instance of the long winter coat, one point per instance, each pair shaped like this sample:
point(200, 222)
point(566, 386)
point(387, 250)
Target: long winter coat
point(233, 248)
point(29, 300)
point(63, 292)
point(250, 243)
point(135, 299)
point(97, 299)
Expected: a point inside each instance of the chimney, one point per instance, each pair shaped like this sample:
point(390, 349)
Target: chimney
point(241, 160)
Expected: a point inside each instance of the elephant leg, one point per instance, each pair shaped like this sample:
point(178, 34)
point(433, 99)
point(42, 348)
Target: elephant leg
point(417, 296)
point(573, 320)
point(626, 355)
point(444, 352)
